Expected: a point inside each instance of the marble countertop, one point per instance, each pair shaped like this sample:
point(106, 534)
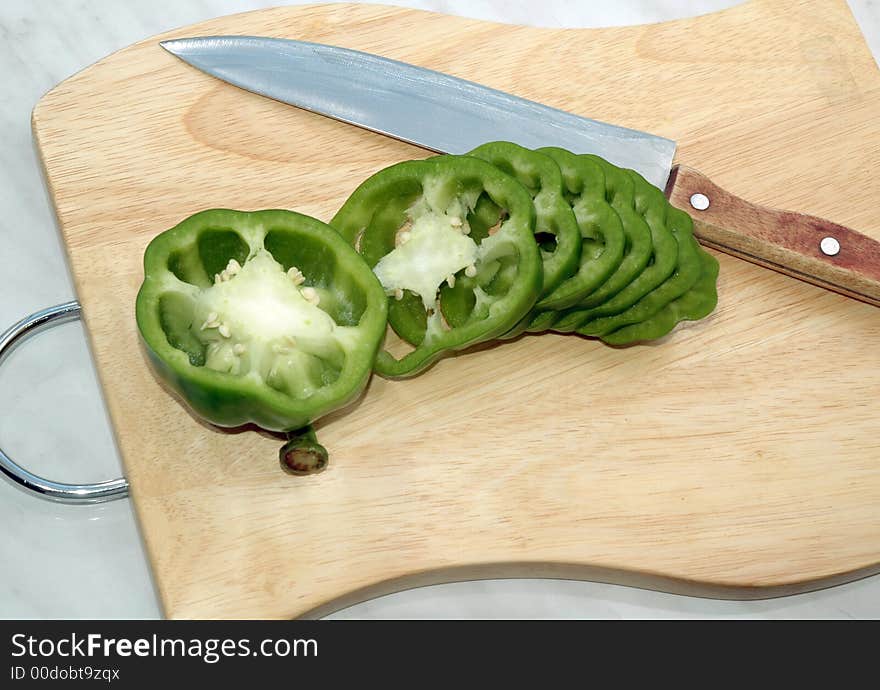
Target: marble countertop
point(88, 562)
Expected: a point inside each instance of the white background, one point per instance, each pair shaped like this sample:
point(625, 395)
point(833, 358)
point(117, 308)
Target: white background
point(63, 561)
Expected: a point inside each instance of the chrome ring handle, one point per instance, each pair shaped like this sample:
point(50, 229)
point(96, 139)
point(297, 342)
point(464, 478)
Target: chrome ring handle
point(18, 475)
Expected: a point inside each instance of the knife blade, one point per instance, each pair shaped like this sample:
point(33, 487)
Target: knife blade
point(412, 103)
point(447, 114)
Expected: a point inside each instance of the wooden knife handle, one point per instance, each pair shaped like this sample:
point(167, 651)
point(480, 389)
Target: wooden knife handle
point(805, 247)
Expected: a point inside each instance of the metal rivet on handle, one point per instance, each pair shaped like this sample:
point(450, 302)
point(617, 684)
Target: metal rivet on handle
point(700, 201)
point(829, 246)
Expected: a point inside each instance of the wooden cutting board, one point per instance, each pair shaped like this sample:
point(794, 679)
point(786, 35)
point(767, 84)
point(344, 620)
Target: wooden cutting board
point(740, 457)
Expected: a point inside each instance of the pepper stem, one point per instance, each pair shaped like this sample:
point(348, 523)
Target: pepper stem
point(302, 454)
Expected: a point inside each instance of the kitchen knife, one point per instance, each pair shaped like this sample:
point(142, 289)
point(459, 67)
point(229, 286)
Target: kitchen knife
point(451, 115)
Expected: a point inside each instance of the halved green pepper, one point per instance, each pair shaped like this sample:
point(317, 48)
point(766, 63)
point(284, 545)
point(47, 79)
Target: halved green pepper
point(455, 272)
point(267, 317)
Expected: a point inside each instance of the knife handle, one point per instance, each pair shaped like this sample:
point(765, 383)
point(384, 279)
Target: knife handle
point(804, 247)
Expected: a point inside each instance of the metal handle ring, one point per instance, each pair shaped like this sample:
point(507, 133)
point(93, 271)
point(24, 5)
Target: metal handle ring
point(45, 488)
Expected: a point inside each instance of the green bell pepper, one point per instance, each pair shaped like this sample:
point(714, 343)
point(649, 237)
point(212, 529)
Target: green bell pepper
point(556, 229)
point(455, 273)
point(267, 317)
point(686, 273)
point(603, 239)
point(652, 206)
point(696, 303)
point(638, 248)
point(646, 300)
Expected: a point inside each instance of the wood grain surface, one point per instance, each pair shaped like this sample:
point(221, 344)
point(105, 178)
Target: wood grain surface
point(738, 457)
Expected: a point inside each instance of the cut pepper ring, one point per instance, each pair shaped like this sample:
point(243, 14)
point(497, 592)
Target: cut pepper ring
point(452, 279)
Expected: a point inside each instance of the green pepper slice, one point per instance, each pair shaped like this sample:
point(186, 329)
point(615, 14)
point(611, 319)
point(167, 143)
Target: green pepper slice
point(454, 276)
point(650, 204)
point(603, 241)
point(638, 248)
point(265, 317)
point(683, 278)
point(556, 229)
point(696, 303)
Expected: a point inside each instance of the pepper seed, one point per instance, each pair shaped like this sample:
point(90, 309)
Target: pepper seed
point(296, 275)
point(211, 321)
point(311, 295)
